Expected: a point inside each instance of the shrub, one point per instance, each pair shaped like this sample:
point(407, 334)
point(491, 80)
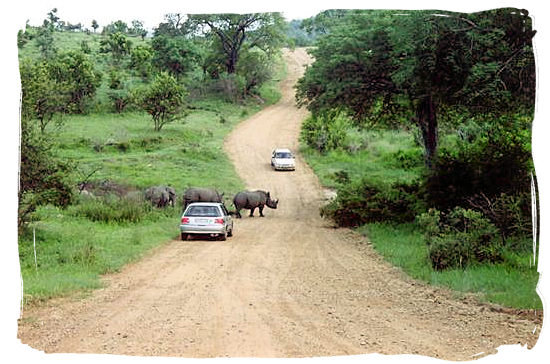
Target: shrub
point(362, 203)
point(460, 238)
point(327, 131)
point(112, 209)
point(406, 159)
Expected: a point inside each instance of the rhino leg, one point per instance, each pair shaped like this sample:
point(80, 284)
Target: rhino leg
point(261, 208)
point(252, 212)
point(238, 213)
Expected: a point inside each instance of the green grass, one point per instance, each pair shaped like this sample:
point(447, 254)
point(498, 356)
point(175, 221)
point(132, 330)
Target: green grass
point(372, 163)
point(511, 283)
point(124, 148)
point(73, 252)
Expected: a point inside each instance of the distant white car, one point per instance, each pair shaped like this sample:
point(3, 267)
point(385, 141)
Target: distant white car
point(283, 159)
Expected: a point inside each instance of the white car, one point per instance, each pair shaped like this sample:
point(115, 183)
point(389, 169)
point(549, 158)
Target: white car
point(283, 159)
point(206, 218)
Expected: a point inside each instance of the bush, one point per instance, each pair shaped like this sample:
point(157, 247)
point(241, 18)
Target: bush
point(43, 179)
point(112, 209)
point(511, 214)
point(489, 159)
point(327, 132)
point(460, 238)
point(406, 159)
point(363, 203)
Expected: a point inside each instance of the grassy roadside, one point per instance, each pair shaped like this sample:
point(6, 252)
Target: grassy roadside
point(511, 283)
point(72, 251)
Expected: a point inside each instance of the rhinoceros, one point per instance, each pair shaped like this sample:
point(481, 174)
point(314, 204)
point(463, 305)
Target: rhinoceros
point(201, 195)
point(158, 195)
point(252, 199)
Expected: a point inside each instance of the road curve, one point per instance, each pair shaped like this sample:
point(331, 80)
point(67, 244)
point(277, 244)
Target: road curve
point(286, 285)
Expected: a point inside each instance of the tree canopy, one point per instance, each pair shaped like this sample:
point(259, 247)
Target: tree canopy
point(235, 31)
point(427, 60)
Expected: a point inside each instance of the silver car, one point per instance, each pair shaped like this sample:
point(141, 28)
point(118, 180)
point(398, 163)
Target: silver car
point(206, 218)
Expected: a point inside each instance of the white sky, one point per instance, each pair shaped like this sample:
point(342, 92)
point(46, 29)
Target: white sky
point(152, 12)
point(15, 14)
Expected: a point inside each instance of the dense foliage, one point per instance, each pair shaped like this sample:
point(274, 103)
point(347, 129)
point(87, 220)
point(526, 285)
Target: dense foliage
point(43, 179)
point(464, 86)
point(424, 60)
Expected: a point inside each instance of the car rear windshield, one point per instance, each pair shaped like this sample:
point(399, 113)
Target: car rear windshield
point(283, 155)
point(210, 211)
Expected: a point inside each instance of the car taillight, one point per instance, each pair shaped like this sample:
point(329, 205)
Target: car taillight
point(185, 220)
point(219, 221)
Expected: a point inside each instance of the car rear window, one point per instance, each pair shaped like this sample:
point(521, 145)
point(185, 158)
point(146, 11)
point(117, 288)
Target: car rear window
point(283, 155)
point(210, 211)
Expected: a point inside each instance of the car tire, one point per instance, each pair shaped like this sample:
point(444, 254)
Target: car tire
point(230, 233)
point(184, 236)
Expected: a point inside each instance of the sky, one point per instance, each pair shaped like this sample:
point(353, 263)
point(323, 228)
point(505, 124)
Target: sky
point(152, 12)
point(16, 13)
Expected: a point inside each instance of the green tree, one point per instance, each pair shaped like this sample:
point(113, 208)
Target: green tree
point(42, 97)
point(235, 31)
point(141, 60)
point(42, 178)
point(117, 44)
point(322, 23)
point(163, 99)
point(255, 67)
point(116, 27)
point(482, 61)
point(75, 71)
point(177, 55)
point(174, 25)
point(138, 29)
point(95, 25)
point(45, 41)
point(53, 18)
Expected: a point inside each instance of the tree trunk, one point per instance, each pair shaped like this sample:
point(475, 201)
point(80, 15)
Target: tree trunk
point(426, 111)
point(232, 61)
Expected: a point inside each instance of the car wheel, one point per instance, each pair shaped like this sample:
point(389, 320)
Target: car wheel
point(184, 236)
point(230, 233)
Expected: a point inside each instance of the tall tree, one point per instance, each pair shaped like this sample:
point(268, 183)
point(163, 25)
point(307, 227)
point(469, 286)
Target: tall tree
point(95, 25)
point(482, 61)
point(235, 31)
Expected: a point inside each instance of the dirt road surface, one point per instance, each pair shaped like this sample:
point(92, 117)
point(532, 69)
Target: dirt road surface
point(286, 285)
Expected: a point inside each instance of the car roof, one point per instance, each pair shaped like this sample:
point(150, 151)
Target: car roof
point(282, 150)
point(205, 204)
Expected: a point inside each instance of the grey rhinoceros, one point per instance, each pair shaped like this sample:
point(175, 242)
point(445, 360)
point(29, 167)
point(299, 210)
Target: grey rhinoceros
point(195, 194)
point(252, 199)
point(161, 196)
